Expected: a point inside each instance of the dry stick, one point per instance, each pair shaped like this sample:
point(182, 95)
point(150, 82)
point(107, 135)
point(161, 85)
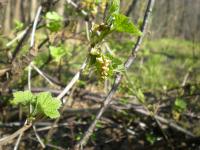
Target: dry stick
point(9, 139)
point(118, 78)
point(41, 73)
point(167, 122)
point(38, 137)
point(18, 37)
point(35, 25)
point(48, 145)
point(76, 6)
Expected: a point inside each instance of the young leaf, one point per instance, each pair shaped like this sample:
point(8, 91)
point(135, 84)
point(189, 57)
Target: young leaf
point(53, 16)
point(53, 21)
point(114, 7)
point(180, 105)
point(117, 64)
point(18, 25)
point(122, 23)
point(151, 138)
point(48, 105)
point(57, 52)
point(23, 98)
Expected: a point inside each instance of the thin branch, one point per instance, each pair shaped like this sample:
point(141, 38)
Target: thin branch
point(38, 137)
point(76, 6)
point(118, 78)
point(18, 37)
point(87, 30)
point(131, 7)
point(10, 138)
point(41, 73)
point(35, 26)
point(73, 81)
point(48, 145)
point(167, 122)
point(18, 141)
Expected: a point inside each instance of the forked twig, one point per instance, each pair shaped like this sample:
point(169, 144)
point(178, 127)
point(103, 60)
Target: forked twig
point(10, 138)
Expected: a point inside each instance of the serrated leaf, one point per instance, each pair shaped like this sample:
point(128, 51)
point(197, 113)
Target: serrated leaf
point(57, 52)
point(122, 23)
point(54, 21)
point(23, 98)
point(48, 105)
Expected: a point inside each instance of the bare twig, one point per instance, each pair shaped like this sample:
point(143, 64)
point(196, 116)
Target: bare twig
point(131, 7)
point(10, 138)
point(118, 78)
point(41, 73)
point(35, 25)
point(76, 6)
point(185, 78)
point(167, 122)
point(48, 145)
point(73, 81)
point(18, 37)
point(38, 137)
point(18, 141)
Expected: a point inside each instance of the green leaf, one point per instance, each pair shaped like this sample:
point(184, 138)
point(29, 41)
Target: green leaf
point(122, 23)
point(57, 52)
point(117, 64)
point(53, 16)
point(151, 138)
point(18, 25)
point(23, 98)
point(42, 103)
point(114, 7)
point(54, 21)
point(180, 105)
point(48, 105)
point(140, 96)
